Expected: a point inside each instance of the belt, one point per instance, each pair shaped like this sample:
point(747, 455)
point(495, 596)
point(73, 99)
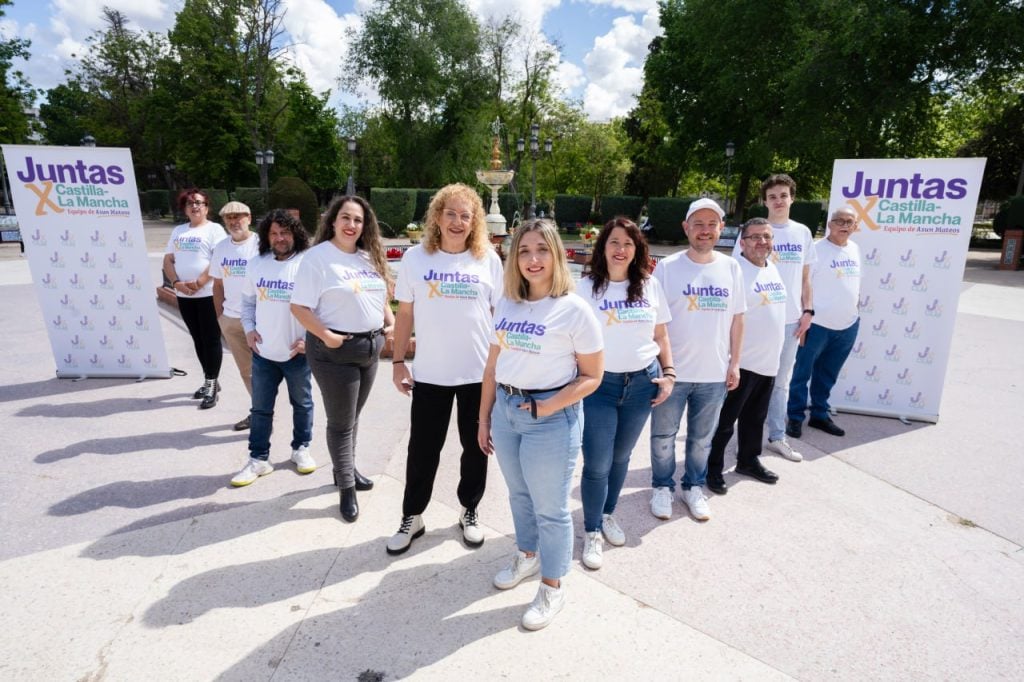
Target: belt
point(370, 335)
point(528, 394)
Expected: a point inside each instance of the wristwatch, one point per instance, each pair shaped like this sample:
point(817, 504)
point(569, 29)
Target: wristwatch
point(809, 311)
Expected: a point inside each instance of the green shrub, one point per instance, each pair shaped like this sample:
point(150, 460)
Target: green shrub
point(254, 199)
point(1015, 213)
point(218, 197)
point(809, 213)
point(756, 211)
point(423, 197)
point(571, 209)
point(508, 204)
point(394, 208)
point(295, 193)
point(159, 202)
point(667, 215)
point(620, 204)
point(144, 203)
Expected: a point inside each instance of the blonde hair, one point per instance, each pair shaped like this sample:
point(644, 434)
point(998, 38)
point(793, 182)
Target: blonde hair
point(516, 287)
point(478, 240)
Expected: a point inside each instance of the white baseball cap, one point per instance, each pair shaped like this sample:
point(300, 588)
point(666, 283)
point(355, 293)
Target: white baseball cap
point(705, 203)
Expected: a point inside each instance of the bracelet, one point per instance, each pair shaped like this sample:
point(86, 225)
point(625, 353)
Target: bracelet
point(667, 367)
point(484, 423)
point(175, 283)
point(398, 362)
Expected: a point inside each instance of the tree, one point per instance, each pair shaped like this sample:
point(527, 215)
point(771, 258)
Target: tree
point(308, 139)
point(16, 95)
point(65, 113)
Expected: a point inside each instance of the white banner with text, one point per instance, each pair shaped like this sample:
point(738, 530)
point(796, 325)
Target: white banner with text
point(78, 209)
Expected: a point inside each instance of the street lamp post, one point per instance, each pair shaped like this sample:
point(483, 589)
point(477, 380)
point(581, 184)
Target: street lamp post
point(730, 150)
point(534, 155)
point(350, 189)
point(88, 141)
point(170, 168)
point(264, 159)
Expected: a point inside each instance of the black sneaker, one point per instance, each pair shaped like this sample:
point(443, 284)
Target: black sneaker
point(794, 429)
point(717, 485)
point(826, 425)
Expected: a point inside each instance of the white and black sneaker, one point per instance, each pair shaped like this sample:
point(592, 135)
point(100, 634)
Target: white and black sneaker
point(472, 535)
point(411, 528)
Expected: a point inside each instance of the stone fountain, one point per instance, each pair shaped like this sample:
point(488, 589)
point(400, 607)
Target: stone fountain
point(495, 178)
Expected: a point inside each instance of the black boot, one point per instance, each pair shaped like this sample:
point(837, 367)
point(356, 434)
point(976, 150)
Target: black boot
point(210, 399)
point(362, 482)
point(349, 505)
point(205, 389)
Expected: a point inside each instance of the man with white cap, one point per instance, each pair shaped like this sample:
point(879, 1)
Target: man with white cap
point(228, 265)
point(704, 290)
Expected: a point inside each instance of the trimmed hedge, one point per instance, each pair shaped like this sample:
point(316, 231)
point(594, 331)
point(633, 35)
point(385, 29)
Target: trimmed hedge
point(254, 199)
point(809, 213)
point(508, 204)
point(290, 192)
point(756, 211)
point(571, 209)
point(423, 197)
point(620, 204)
point(667, 215)
point(395, 208)
point(218, 197)
point(159, 201)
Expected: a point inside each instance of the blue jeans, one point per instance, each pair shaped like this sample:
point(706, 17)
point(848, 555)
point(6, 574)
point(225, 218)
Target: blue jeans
point(780, 392)
point(702, 402)
point(266, 378)
point(819, 361)
point(614, 415)
point(537, 457)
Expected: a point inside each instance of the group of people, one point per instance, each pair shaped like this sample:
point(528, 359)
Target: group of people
point(537, 367)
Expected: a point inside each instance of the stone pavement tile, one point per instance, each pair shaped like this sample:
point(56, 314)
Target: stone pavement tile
point(831, 573)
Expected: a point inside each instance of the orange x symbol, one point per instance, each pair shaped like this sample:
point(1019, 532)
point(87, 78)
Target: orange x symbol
point(356, 286)
point(612, 318)
point(501, 340)
point(862, 211)
point(435, 289)
point(263, 293)
point(693, 303)
point(764, 298)
point(44, 197)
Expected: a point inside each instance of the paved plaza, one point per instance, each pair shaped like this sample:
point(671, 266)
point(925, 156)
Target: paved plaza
point(892, 553)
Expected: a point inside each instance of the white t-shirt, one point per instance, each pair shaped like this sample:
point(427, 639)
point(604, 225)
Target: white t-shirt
point(628, 327)
point(703, 299)
point(792, 249)
point(270, 283)
point(836, 281)
point(342, 289)
point(192, 247)
point(227, 262)
point(452, 296)
point(764, 323)
point(539, 340)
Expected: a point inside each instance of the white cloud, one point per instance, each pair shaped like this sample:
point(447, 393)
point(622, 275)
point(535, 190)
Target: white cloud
point(568, 77)
point(635, 6)
point(614, 67)
point(319, 40)
point(529, 13)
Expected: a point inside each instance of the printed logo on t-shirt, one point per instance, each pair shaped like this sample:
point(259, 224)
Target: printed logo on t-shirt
point(233, 267)
point(771, 292)
point(364, 280)
point(522, 335)
point(274, 289)
point(455, 285)
point(845, 267)
point(188, 243)
point(629, 312)
point(788, 254)
point(706, 298)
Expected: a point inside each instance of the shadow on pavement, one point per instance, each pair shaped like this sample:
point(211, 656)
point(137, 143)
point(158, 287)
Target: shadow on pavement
point(163, 440)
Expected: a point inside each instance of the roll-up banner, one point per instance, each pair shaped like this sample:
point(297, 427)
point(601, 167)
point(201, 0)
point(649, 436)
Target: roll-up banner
point(915, 218)
point(78, 210)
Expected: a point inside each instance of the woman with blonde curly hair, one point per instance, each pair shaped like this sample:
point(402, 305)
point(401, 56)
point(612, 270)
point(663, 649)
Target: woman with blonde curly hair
point(448, 285)
point(341, 295)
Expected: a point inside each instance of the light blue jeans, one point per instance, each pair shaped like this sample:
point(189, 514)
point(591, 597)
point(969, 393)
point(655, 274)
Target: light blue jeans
point(537, 458)
point(780, 393)
point(615, 415)
point(703, 403)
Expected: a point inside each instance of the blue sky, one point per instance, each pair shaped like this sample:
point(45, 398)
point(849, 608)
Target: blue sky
point(603, 42)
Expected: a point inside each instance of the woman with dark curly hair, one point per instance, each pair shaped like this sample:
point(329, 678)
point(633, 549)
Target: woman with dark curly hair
point(638, 374)
point(341, 297)
point(187, 267)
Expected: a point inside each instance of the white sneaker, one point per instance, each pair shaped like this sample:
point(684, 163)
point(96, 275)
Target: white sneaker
point(593, 544)
point(782, 448)
point(304, 462)
point(253, 469)
point(546, 605)
point(612, 531)
point(522, 567)
point(698, 504)
point(661, 503)
point(472, 534)
point(412, 527)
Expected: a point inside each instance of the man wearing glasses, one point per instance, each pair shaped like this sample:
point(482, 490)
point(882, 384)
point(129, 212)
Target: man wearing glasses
point(764, 325)
point(836, 281)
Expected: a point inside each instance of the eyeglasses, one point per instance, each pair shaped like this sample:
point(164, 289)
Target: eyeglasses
point(195, 203)
point(463, 217)
point(759, 237)
point(846, 222)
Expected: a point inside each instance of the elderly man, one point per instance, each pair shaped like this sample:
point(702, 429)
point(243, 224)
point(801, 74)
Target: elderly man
point(228, 264)
point(764, 325)
point(704, 290)
point(836, 281)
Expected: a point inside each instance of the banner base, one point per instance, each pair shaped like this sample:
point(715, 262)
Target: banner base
point(906, 419)
point(134, 376)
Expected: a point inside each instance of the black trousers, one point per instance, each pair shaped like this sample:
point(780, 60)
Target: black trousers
point(748, 403)
point(431, 412)
point(200, 317)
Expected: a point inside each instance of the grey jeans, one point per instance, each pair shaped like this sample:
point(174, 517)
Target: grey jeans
point(345, 376)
